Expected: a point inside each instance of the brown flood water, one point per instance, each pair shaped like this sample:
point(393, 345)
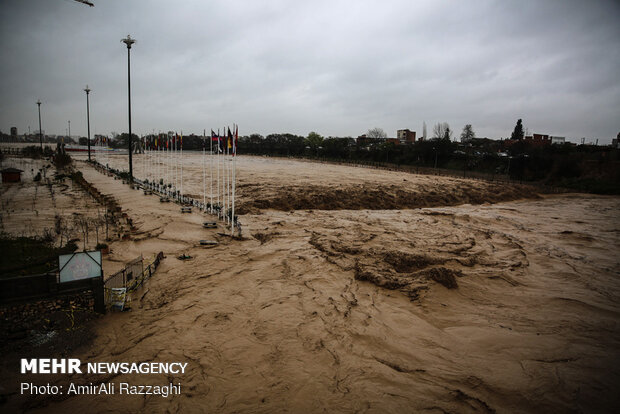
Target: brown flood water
point(358, 304)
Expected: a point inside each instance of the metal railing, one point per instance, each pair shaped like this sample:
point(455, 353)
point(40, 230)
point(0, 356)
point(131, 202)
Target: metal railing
point(119, 286)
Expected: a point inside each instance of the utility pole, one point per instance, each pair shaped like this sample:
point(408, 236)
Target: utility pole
point(129, 41)
point(40, 130)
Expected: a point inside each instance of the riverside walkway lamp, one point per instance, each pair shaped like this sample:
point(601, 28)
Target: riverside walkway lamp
point(129, 41)
point(87, 90)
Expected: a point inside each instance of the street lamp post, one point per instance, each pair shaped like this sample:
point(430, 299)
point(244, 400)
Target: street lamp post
point(129, 41)
point(87, 90)
point(40, 131)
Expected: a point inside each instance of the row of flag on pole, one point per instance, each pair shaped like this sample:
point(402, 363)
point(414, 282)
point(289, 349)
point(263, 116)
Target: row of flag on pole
point(163, 170)
point(163, 141)
point(229, 140)
point(225, 141)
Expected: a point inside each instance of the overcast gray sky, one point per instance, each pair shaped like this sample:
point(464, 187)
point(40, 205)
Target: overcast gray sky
point(335, 67)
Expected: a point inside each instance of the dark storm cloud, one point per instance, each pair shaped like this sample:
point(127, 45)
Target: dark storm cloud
point(337, 67)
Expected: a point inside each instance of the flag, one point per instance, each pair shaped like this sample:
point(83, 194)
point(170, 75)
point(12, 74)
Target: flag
point(236, 142)
point(229, 139)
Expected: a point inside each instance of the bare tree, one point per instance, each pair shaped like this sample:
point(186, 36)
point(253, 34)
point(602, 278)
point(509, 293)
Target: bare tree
point(59, 225)
point(96, 223)
point(376, 133)
point(442, 130)
point(83, 224)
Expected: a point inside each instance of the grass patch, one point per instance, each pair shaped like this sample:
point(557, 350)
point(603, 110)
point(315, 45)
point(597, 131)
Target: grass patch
point(29, 255)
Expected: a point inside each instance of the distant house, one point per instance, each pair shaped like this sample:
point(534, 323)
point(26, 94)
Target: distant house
point(405, 136)
point(11, 175)
point(558, 140)
point(542, 138)
point(537, 140)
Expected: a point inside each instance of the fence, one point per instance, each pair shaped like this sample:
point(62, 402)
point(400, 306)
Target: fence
point(105, 294)
point(33, 287)
point(46, 286)
point(119, 286)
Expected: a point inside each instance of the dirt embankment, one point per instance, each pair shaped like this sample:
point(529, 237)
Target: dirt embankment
point(372, 196)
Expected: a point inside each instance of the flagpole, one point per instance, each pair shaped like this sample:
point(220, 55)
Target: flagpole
point(204, 174)
point(169, 164)
point(224, 177)
point(181, 162)
point(227, 177)
point(229, 180)
point(232, 214)
point(211, 172)
point(234, 166)
point(218, 167)
point(174, 161)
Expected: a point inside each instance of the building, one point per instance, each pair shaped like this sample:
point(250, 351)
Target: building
point(536, 140)
point(558, 140)
point(14, 132)
point(11, 175)
point(542, 138)
point(405, 136)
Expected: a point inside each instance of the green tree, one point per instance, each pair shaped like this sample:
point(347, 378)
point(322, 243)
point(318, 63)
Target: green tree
point(314, 141)
point(518, 131)
point(468, 133)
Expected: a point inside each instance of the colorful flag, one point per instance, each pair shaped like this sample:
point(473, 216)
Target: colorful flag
point(229, 139)
point(236, 142)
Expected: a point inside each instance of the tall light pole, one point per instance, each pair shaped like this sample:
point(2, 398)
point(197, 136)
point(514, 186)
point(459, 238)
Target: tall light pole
point(40, 132)
point(129, 41)
point(87, 90)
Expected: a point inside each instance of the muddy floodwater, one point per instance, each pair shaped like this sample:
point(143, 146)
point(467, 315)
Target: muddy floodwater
point(358, 290)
